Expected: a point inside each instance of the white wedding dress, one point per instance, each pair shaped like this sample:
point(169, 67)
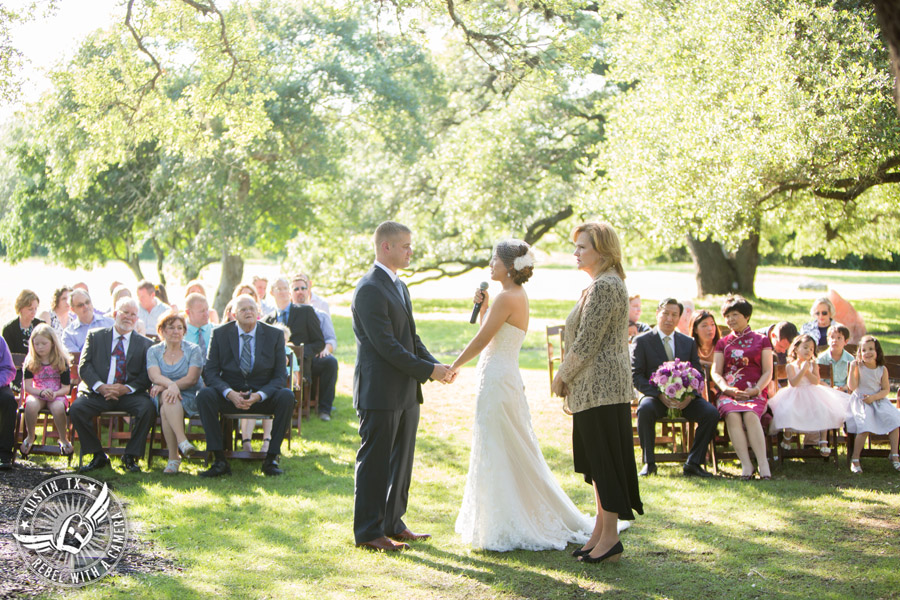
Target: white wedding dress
point(512, 500)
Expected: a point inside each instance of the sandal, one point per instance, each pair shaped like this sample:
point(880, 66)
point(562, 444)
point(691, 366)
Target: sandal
point(172, 466)
point(186, 448)
point(824, 450)
point(895, 461)
point(855, 466)
point(786, 440)
point(265, 445)
point(247, 447)
point(65, 448)
point(25, 448)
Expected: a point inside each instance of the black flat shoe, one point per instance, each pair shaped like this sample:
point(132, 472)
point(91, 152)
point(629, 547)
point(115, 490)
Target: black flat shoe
point(270, 468)
point(692, 470)
point(98, 462)
point(130, 464)
point(220, 467)
point(580, 552)
point(6, 463)
point(614, 554)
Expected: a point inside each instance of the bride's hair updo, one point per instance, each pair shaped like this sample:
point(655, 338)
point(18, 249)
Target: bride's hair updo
point(517, 257)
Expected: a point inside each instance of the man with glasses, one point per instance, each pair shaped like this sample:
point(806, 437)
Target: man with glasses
point(300, 319)
point(77, 330)
point(324, 364)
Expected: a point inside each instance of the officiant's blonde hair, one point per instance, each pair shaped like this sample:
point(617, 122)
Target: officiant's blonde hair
point(606, 242)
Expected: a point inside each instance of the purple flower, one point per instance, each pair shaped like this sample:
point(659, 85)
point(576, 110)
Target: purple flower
point(671, 391)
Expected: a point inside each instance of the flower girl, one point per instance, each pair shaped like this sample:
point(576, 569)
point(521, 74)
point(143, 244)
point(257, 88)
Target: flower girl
point(870, 411)
point(804, 405)
point(47, 385)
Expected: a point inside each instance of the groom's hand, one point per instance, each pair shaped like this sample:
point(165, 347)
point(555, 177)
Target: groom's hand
point(439, 373)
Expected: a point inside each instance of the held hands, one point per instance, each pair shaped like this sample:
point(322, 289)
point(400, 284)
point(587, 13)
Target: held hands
point(243, 400)
point(443, 373)
point(673, 403)
point(113, 391)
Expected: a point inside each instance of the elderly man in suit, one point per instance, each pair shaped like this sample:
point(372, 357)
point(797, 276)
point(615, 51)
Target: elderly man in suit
point(245, 372)
point(651, 349)
point(392, 363)
point(113, 370)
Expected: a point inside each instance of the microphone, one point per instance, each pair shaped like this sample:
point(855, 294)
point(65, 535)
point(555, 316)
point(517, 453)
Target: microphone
point(477, 308)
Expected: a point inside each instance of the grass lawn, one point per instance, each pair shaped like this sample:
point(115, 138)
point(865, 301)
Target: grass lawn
point(814, 531)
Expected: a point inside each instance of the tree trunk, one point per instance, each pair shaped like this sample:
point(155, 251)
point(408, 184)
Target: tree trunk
point(720, 272)
point(160, 257)
point(134, 263)
point(232, 273)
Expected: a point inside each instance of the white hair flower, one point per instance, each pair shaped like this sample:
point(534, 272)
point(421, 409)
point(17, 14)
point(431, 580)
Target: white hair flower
point(526, 260)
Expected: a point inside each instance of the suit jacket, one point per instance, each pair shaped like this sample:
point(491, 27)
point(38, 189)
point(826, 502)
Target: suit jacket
point(223, 363)
point(95, 358)
point(305, 329)
point(648, 354)
point(391, 360)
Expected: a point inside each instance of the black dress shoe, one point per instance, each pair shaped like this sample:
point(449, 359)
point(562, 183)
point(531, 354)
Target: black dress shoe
point(649, 469)
point(220, 467)
point(6, 463)
point(98, 462)
point(613, 555)
point(692, 470)
point(130, 464)
point(270, 468)
point(580, 552)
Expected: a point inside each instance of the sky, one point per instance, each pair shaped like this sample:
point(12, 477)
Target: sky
point(48, 39)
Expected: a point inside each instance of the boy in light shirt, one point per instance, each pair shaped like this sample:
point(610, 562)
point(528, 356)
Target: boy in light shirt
point(837, 357)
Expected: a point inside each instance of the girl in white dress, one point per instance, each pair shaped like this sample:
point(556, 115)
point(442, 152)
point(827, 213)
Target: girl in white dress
point(870, 411)
point(511, 500)
point(804, 405)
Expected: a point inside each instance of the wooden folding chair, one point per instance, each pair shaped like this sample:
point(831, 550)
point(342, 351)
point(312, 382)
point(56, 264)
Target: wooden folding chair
point(308, 394)
point(797, 451)
point(721, 440)
point(193, 431)
point(46, 439)
point(554, 332)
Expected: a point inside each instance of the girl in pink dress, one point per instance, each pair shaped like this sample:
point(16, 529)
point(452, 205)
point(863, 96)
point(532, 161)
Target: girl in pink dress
point(805, 405)
point(742, 368)
point(47, 385)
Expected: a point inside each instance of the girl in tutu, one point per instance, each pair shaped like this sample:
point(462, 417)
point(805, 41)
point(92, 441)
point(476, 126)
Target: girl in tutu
point(804, 405)
point(870, 411)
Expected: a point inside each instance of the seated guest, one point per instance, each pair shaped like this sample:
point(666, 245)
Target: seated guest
point(76, 333)
point(17, 332)
point(8, 406)
point(245, 289)
point(113, 286)
point(97, 310)
point(245, 372)
point(150, 307)
point(228, 312)
point(301, 319)
point(113, 370)
point(199, 329)
point(173, 366)
point(742, 370)
point(195, 287)
point(780, 335)
point(837, 357)
point(324, 364)
point(266, 305)
point(634, 313)
point(706, 335)
point(684, 324)
point(652, 349)
point(58, 315)
point(47, 384)
point(822, 312)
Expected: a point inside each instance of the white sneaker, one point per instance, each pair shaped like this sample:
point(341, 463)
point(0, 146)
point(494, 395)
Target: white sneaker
point(325, 416)
point(855, 466)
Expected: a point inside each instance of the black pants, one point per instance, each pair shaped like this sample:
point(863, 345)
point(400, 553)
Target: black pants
point(383, 471)
point(211, 405)
point(699, 411)
point(8, 408)
point(88, 406)
point(326, 369)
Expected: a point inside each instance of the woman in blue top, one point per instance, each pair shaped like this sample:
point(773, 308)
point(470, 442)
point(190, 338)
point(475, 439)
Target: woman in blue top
point(174, 368)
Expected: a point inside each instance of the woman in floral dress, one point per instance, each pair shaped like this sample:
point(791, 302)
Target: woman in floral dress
point(742, 368)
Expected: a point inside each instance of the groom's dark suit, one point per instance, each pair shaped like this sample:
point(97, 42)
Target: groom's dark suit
point(94, 368)
point(391, 365)
point(647, 355)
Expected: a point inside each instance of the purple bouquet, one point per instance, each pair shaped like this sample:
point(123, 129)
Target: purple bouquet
point(679, 380)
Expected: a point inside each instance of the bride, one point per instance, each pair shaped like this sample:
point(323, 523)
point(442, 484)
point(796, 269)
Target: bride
point(511, 500)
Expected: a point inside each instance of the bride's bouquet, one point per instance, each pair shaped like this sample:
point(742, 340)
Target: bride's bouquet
point(677, 379)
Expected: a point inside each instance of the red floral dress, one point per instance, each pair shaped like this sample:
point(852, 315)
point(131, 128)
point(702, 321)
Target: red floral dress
point(743, 368)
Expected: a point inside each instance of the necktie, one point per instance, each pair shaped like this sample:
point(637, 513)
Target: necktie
point(284, 316)
point(200, 341)
point(246, 362)
point(119, 353)
point(669, 353)
point(399, 285)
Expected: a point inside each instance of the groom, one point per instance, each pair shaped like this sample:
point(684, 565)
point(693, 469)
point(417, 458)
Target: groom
point(391, 365)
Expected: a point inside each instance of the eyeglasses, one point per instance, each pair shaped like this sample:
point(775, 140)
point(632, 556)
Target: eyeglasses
point(304, 288)
point(85, 303)
point(823, 313)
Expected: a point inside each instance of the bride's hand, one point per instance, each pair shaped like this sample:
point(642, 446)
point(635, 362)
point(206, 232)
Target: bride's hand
point(482, 296)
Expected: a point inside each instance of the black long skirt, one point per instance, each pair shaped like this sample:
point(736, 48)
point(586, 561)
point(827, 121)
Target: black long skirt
point(603, 447)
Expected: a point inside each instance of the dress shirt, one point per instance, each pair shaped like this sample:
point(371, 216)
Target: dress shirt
point(252, 334)
point(193, 335)
point(671, 337)
point(152, 316)
point(390, 273)
point(327, 329)
point(76, 332)
point(267, 305)
point(111, 378)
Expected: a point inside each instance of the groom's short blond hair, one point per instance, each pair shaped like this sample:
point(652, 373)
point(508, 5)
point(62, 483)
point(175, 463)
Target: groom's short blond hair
point(388, 231)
